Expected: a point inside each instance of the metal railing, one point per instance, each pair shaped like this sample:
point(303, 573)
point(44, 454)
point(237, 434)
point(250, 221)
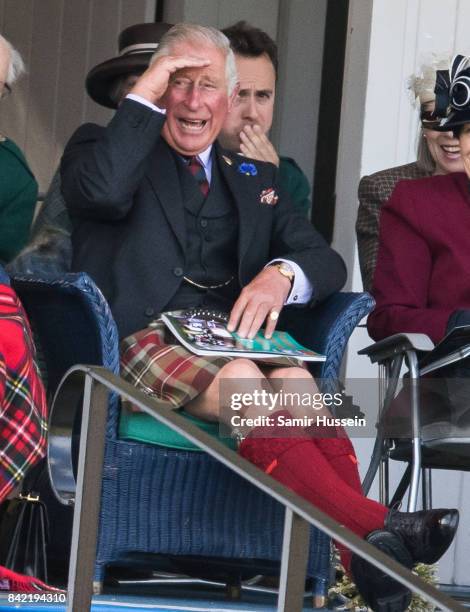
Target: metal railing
point(299, 514)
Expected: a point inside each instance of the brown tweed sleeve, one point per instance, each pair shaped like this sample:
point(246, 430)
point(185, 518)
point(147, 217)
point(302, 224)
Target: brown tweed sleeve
point(373, 192)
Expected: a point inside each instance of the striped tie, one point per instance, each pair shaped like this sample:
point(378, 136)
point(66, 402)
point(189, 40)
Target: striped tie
point(197, 170)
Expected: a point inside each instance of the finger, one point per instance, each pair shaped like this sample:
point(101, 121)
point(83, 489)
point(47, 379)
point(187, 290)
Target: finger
point(251, 153)
point(271, 323)
point(259, 141)
point(247, 139)
point(236, 313)
point(264, 145)
point(181, 63)
point(249, 148)
point(253, 136)
point(261, 313)
point(248, 316)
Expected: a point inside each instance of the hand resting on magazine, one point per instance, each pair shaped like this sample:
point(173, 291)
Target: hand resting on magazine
point(268, 291)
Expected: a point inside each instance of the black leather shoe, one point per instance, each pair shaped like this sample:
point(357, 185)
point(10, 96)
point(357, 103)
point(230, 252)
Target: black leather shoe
point(427, 534)
point(379, 591)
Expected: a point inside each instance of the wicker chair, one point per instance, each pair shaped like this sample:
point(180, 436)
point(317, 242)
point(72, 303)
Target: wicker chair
point(166, 501)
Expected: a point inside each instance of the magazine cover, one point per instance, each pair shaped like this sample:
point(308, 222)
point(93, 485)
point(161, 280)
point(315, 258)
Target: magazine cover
point(205, 333)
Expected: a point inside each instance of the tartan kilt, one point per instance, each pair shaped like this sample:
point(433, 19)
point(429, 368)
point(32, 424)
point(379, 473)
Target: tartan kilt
point(23, 408)
point(153, 361)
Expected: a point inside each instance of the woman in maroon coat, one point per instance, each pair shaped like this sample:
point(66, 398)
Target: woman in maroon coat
point(422, 278)
point(421, 282)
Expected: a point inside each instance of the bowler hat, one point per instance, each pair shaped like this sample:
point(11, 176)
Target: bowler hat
point(136, 44)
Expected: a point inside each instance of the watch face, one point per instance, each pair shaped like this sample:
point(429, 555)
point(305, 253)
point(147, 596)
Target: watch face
point(286, 270)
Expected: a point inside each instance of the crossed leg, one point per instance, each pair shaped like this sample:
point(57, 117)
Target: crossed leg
point(323, 470)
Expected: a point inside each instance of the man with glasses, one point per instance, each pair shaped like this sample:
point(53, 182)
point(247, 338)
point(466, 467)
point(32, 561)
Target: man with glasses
point(18, 187)
point(247, 126)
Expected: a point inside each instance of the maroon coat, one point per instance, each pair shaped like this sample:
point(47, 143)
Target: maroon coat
point(423, 267)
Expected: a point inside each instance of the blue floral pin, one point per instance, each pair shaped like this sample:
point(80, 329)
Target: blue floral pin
point(248, 169)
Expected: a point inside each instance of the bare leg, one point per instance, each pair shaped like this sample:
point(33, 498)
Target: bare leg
point(297, 383)
point(206, 406)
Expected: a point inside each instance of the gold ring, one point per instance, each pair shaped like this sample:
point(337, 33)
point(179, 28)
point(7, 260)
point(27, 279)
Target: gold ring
point(274, 315)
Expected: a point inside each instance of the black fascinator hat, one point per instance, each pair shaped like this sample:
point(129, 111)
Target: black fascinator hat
point(455, 94)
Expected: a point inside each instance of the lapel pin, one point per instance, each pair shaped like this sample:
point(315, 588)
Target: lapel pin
point(227, 160)
point(247, 169)
point(269, 197)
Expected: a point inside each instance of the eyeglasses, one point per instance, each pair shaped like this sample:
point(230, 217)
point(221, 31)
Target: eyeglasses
point(6, 91)
point(430, 120)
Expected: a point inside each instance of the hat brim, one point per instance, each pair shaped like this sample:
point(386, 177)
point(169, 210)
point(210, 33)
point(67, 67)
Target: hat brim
point(455, 119)
point(100, 79)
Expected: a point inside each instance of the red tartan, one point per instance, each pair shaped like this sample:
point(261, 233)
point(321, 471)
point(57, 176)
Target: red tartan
point(152, 361)
point(23, 408)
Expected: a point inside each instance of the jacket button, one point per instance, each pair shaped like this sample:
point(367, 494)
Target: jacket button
point(178, 271)
point(149, 311)
point(204, 222)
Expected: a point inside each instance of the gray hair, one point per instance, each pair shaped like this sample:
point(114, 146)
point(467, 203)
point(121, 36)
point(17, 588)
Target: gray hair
point(184, 32)
point(16, 65)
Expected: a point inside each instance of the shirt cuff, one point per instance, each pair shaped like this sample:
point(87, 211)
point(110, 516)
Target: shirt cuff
point(145, 102)
point(302, 289)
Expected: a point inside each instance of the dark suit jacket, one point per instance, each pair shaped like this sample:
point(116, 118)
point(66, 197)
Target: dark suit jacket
point(121, 186)
point(374, 191)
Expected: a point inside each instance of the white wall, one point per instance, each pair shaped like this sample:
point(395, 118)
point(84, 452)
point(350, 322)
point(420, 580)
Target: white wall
point(387, 42)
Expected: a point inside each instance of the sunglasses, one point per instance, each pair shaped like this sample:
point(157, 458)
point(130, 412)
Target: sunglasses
point(430, 120)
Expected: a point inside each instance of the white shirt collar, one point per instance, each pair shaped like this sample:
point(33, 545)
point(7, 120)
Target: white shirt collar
point(205, 157)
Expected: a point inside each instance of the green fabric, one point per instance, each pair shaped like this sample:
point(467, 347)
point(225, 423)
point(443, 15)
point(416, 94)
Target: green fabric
point(294, 181)
point(141, 427)
point(18, 195)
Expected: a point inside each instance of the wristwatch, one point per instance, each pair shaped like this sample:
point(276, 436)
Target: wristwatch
point(285, 269)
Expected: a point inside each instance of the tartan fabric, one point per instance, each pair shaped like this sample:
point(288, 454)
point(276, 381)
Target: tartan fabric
point(374, 191)
point(23, 408)
point(152, 360)
point(166, 370)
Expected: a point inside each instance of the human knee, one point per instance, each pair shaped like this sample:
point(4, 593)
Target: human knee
point(291, 372)
point(240, 368)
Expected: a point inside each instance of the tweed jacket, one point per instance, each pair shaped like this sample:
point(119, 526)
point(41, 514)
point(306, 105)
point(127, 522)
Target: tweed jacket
point(121, 186)
point(374, 191)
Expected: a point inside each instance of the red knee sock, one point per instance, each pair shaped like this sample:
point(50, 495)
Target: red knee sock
point(302, 466)
point(341, 455)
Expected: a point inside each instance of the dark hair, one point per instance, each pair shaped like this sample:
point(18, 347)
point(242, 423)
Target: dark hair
point(248, 41)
